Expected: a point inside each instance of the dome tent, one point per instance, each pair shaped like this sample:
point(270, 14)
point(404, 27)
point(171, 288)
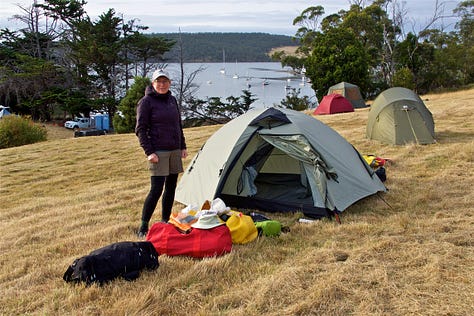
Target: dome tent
point(333, 103)
point(278, 160)
point(349, 91)
point(398, 116)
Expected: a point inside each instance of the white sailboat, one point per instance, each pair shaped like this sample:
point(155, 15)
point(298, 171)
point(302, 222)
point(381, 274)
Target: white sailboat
point(222, 71)
point(235, 76)
point(303, 78)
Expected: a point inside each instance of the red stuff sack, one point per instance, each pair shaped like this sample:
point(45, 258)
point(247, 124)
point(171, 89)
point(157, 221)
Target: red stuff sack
point(198, 243)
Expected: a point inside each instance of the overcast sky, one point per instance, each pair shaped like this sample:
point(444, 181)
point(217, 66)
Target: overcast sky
point(268, 16)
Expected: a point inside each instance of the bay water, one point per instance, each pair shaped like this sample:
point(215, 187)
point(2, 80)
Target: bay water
point(268, 82)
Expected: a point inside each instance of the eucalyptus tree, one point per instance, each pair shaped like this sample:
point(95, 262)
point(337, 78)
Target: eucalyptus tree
point(36, 37)
point(376, 32)
point(337, 56)
point(465, 27)
point(308, 25)
point(451, 62)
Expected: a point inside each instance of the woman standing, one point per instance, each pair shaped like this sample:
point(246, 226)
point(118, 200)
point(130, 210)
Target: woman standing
point(160, 132)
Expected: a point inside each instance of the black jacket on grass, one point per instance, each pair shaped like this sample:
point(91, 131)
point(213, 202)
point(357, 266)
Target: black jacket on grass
point(122, 259)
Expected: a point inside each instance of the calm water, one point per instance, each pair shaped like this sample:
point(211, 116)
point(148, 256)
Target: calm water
point(268, 82)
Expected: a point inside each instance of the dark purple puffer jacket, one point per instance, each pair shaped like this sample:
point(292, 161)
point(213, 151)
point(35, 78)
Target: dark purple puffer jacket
point(159, 122)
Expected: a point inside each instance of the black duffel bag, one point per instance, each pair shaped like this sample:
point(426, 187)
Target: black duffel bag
point(122, 259)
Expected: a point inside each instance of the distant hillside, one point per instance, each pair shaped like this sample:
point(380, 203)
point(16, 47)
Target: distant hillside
point(241, 47)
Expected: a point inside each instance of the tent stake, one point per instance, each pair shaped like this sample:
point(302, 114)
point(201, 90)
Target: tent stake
point(336, 215)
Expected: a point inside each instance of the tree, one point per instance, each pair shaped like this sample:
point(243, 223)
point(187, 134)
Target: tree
point(37, 38)
point(368, 45)
point(97, 49)
point(129, 30)
point(104, 54)
point(47, 27)
point(308, 22)
point(416, 57)
point(90, 58)
point(185, 89)
point(295, 102)
point(417, 54)
point(124, 121)
point(73, 22)
point(337, 56)
point(213, 111)
point(404, 78)
point(374, 30)
point(146, 50)
point(465, 27)
point(68, 12)
point(24, 80)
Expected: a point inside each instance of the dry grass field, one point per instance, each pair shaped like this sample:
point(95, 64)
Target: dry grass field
point(410, 252)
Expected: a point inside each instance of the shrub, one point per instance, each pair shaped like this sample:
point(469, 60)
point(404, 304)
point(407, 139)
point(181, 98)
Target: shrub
point(295, 102)
point(404, 78)
point(125, 121)
point(18, 131)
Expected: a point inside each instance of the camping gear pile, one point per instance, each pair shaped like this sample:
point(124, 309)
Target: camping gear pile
point(210, 231)
point(378, 165)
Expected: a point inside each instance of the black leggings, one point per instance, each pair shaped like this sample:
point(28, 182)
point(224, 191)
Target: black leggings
point(154, 195)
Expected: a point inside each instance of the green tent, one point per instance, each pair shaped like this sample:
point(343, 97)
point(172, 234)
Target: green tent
point(398, 116)
point(278, 160)
point(349, 91)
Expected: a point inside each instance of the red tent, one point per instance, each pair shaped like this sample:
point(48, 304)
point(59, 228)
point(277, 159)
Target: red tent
point(333, 103)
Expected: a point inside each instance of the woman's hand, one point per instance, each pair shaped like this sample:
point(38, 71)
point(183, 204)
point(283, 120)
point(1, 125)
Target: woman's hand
point(184, 153)
point(153, 158)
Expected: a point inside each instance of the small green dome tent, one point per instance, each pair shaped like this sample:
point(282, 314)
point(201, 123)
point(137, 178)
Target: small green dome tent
point(349, 91)
point(398, 116)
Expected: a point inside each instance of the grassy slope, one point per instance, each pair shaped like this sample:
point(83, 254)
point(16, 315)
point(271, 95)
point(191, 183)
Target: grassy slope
point(410, 255)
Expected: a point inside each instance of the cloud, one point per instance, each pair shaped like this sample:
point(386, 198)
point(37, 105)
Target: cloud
point(274, 16)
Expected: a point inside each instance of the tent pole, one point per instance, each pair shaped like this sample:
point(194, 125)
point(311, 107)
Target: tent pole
point(411, 126)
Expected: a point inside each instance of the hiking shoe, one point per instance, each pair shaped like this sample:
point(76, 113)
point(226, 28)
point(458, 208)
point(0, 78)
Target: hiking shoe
point(142, 233)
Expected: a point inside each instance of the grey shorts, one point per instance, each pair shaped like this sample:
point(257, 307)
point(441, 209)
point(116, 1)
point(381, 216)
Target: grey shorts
point(168, 162)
